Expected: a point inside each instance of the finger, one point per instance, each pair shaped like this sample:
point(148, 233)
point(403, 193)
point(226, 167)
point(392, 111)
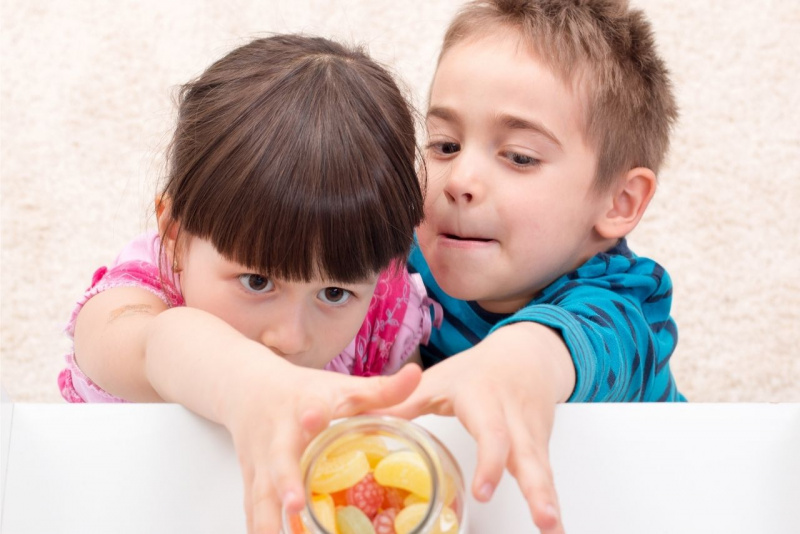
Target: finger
point(266, 508)
point(365, 394)
point(485, 419)
point(284, 466)
point(529, 463)
point(247, 478)
point(536, 483)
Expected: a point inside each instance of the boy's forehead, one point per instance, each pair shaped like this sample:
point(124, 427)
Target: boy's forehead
point(499, 79)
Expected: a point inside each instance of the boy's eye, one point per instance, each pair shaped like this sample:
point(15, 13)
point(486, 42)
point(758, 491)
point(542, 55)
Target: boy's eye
point(334, 295)
point(256, 283)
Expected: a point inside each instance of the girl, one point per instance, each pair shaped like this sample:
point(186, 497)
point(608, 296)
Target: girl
point(283, 228)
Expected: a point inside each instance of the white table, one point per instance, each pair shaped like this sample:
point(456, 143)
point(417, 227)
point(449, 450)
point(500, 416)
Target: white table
point(638, 469)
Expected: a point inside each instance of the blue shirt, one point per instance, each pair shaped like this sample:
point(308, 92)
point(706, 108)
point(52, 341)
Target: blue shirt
point(613, 313)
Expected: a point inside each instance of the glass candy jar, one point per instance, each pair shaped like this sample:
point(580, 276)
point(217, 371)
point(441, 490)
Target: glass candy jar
point(379, 475)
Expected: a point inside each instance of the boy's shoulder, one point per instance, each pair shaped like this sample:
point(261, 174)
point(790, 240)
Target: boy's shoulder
point(618, 271)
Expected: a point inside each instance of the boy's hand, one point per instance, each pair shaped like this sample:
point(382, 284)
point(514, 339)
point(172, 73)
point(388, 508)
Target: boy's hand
point(272, 421)
point(504, 391)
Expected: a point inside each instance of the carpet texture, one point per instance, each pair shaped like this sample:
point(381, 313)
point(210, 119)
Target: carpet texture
point(87, 109)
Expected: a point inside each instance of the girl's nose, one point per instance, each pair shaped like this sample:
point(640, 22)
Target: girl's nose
point(287, 336)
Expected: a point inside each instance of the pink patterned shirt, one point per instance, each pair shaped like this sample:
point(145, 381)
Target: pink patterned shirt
point(397, 321)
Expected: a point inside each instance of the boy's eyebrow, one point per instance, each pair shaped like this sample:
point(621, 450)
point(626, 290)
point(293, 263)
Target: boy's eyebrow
point(510, 122)
point(515, 123)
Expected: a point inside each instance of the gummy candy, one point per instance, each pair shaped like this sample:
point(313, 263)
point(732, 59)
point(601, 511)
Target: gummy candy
point(372, 445)
point(325, 511)
point(351, 520)
point(406, 470)
point(335, 473)
point(394, 498)
point(367, 495)
point(384, 521)
point(409, 517)
point(363, 485)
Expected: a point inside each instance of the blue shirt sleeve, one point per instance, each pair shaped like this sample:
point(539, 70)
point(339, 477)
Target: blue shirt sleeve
point(618, 331)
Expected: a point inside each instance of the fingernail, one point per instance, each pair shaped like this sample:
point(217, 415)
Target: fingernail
point(485, 492)
point(551, 511)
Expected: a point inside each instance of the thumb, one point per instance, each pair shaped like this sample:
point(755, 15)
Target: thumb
point(373, 393)
point(428, 397)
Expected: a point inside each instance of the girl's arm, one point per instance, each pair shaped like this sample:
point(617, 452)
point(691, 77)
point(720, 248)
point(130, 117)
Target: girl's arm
point(129, 343)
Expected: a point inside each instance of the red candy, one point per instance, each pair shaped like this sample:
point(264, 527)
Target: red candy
point(384, 521)
point(366, 495)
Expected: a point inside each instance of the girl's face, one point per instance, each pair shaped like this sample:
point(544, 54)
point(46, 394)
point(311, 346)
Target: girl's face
point(308, 323)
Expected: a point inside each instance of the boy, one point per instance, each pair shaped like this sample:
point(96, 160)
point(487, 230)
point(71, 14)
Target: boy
point(547, 123)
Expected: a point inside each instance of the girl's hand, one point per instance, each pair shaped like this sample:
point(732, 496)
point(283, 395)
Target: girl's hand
point(273, 412)
point(504, 391)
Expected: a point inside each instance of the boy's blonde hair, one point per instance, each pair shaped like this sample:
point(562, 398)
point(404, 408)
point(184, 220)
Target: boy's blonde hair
point(606, 50)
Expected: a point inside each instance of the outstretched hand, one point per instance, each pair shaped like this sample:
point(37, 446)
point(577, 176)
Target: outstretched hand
point(271, 423)
point(504, 391)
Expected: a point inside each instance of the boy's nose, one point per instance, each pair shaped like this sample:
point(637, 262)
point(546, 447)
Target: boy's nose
point(462, 183)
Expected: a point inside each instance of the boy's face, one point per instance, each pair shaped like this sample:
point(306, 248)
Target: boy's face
point(510, 204)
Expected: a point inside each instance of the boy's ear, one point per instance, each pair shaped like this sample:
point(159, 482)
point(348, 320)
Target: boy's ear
point(628, 202)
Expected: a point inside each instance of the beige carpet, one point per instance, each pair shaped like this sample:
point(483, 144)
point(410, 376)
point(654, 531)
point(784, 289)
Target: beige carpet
point(86, 109)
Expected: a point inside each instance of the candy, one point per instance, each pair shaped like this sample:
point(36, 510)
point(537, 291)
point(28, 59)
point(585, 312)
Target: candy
point(296, 525)
point(325, 511)
point(394, 498)
point(372, 445)
point(384, 521)
point(405, 470)
point(409, 517)
point(351, 520)
point(364, 485)
point(367, 495)
point(335, 473)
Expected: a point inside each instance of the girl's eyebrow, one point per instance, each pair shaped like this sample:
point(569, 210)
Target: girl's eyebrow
point(445, 114)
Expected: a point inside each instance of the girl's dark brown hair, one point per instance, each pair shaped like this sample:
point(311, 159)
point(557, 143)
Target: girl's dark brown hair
point(295, 156)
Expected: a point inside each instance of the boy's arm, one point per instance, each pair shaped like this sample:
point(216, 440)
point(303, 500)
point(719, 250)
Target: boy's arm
point(620, 346)
point(504, 390)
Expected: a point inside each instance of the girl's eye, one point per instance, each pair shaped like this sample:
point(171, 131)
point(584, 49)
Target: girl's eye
point(450, 148)
point(256, 283)
point(446, 148)
point(521, 160)
point(334, 295)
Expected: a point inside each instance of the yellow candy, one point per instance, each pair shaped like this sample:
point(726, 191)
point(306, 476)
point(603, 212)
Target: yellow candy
point(336, 473)
point(405, 470)
point(373, 446)
point(409, 517)
point(325, 511)
point(352, 520)
point(413, 498)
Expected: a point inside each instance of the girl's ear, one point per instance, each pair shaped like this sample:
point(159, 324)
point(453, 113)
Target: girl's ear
point(628, 203)
point(167, 226)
